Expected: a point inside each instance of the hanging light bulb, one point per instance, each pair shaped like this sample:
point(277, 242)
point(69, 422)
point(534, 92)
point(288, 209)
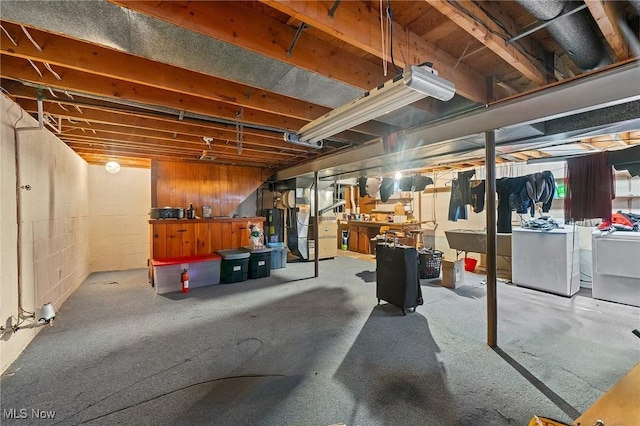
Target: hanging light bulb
point(398, 175)
point(112, 167)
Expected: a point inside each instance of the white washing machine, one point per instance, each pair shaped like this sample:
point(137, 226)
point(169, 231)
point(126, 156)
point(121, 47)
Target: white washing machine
point(616, 266)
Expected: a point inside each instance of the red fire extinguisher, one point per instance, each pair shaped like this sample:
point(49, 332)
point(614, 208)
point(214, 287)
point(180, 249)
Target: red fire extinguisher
point(184, 277)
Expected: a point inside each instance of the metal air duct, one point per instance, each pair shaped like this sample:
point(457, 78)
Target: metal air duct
point(574, 33)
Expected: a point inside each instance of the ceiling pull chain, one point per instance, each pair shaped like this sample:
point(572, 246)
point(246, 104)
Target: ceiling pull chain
point(239, 130)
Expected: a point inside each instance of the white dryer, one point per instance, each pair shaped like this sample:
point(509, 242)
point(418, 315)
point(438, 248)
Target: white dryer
point(616, 266)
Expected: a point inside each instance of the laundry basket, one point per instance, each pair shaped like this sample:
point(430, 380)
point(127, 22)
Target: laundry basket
point(429, 263)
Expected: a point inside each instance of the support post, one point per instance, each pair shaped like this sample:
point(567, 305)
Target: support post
point(490, 206)
point(316, 225)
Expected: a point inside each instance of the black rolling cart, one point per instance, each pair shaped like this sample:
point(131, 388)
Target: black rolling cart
point(397, 279)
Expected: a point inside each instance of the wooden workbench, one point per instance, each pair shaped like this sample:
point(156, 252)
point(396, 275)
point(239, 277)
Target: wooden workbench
point(361, 232)
point(620, 405)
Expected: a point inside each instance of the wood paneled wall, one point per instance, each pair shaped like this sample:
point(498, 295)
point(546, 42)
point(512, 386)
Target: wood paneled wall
point(176, 184)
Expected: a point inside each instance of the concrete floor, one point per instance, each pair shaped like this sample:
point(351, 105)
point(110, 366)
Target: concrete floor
point(295, 350)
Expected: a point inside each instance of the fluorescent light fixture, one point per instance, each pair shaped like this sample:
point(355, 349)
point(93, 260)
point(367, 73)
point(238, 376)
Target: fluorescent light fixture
point(112, 167)
point(415, 82)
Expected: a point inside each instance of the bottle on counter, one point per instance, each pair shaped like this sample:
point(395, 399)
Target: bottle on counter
point(191, 212)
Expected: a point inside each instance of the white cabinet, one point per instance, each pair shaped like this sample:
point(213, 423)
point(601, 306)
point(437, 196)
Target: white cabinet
point(546, 260)
point(616, 267)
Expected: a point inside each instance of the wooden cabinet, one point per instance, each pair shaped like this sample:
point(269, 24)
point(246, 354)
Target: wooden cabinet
point(176, 238)
point(360, 238)
point(363, 240)
point(361, 233)
point(353, 238)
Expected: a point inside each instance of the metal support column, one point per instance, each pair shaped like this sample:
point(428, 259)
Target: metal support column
point(490, 207)
point(316, 225)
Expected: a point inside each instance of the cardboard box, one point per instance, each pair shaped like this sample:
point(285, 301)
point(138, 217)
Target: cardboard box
point(452, 273)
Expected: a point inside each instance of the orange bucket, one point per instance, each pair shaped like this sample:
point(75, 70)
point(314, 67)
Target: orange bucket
point(470, 264)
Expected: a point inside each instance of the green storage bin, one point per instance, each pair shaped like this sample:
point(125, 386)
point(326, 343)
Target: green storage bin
point(259, 265)
point(235, 265)
point(234, 270)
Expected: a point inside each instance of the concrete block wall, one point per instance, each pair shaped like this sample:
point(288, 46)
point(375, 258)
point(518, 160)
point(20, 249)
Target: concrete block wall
point(54, 243)
point(119, 211)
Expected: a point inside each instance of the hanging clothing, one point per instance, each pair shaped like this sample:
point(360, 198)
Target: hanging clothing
point(510, 197)
point(362, 186)
point(590, 188)
point(457, 209)
point(465, 187)
point(406, 183)
point(626, 159)
point(386, 188)
point(421, 182)
point(477, 195)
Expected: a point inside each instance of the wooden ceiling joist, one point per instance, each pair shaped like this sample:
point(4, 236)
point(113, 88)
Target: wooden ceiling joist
point(249, 29)
point(357, 25)
point(491, 35)
point(606, 15)
point(69, 53)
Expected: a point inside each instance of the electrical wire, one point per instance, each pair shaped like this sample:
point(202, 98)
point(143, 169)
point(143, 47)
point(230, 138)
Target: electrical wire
point(390, 23)
point(383, 39)
point(518, 46)
point(8, 35)
point(55, 74)
point(31, 38)
point(35, 67)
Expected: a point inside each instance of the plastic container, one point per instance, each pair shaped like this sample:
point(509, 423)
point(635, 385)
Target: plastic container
point(279, 258)
point(235, 265)
point(260, 264)
point(203, 271)
point(470, 264)
point(232, 254)
point(429, 263)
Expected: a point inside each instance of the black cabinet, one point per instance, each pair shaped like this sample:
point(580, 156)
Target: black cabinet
point(397, 280)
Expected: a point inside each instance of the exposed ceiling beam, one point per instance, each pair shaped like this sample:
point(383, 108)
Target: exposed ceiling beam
point(87, 57)
point(355, 24)
point(244, 27)
point(148, 123)
point(221, 147)
point(131, 154)
point(102, 159)
point(77, 81)
point(606, 14)
point(26, 97)
point(487, 33)
point(186, 141)
point(20, 69)
point(136, 145)
point(615, 86)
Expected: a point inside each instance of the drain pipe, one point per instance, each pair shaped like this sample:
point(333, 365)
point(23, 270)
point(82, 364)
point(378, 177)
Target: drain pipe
point(573, 32)
point(23, 313)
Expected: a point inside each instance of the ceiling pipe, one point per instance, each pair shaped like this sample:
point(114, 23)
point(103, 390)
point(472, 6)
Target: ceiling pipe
point(574, 33)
